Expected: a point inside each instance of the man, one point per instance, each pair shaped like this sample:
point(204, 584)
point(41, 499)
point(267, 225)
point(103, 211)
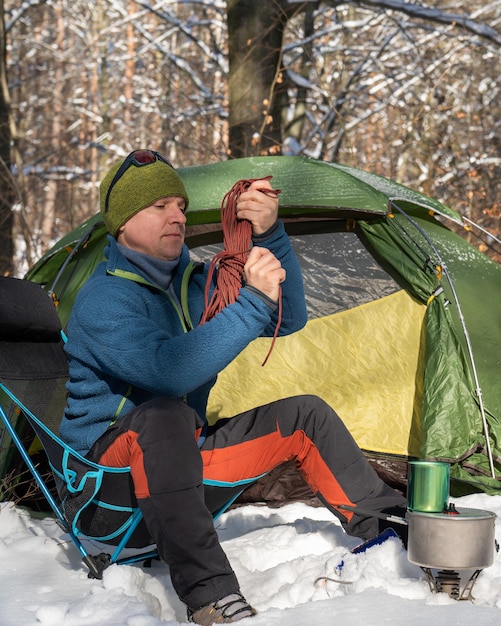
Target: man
point(140, 376)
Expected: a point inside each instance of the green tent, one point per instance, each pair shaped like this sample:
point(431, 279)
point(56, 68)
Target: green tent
point(404, 331)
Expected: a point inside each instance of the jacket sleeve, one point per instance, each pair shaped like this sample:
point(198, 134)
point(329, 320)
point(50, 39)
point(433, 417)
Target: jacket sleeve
point(113, 331)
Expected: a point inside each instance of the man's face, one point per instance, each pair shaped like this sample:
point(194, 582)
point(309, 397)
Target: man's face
point(157, 230)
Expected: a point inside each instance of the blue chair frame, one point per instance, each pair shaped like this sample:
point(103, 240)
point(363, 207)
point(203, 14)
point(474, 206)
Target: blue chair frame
point(95, 563)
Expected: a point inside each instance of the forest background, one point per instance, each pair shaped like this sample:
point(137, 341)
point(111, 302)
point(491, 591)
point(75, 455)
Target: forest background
point(410, 91)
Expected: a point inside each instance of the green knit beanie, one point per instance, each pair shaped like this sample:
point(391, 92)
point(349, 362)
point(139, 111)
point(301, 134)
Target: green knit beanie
point(136, 189)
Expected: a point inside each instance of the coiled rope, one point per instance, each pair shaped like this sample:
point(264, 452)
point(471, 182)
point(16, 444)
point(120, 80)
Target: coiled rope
point(237, 241)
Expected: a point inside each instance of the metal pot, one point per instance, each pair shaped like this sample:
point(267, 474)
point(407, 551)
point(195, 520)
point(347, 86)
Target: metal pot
point(452, 541)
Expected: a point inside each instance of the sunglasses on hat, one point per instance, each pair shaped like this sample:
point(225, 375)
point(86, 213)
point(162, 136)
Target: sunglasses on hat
point(137, 158)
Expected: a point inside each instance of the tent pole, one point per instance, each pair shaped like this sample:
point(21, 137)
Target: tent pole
point(75, 249)
point(478, 390)
point(481, 229)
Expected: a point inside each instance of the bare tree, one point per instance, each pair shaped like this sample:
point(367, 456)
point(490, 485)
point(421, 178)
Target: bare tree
point(394, 87)
point(397, 88)
point(6, 195)
point(255, 81)
point(258, 70)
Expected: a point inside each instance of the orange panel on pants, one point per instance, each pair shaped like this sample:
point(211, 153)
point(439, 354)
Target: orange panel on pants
point(258, 456)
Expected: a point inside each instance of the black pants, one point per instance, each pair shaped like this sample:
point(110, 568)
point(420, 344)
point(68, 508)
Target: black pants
point(168, 470)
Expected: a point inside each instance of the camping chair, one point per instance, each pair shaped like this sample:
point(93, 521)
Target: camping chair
point(33, 373)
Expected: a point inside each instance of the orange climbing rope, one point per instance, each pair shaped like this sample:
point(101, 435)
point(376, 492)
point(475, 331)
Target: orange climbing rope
point(237, 240)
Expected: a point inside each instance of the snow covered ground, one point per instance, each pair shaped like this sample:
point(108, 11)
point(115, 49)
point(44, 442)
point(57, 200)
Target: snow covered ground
point(278, 555)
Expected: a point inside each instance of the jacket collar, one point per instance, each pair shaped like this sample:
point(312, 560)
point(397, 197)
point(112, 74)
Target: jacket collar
point(116, 263)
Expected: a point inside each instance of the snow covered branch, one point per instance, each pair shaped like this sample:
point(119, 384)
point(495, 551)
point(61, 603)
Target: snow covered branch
point(437, 15)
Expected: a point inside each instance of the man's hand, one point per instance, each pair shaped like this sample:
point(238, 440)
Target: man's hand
point(259, 208)
point(264, 271)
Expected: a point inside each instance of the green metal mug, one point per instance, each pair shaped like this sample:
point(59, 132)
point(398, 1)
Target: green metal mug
point(428, 486)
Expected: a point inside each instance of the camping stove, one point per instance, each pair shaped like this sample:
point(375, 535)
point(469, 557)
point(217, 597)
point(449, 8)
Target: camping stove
point(451, 542)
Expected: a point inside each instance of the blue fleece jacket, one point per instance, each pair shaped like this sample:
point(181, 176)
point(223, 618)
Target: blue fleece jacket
point(128, 340)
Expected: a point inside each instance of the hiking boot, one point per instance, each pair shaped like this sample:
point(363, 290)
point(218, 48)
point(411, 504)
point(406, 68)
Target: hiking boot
point(229, 609)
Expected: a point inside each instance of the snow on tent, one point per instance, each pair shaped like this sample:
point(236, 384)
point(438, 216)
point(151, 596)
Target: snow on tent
point(404, 331)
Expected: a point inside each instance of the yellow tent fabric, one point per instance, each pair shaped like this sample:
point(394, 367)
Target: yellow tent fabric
point(365, 362)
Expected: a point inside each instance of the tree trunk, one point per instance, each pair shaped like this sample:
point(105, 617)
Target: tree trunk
point(293, 130)
point(6, 195)
point(56, 137)
point(255, 85)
